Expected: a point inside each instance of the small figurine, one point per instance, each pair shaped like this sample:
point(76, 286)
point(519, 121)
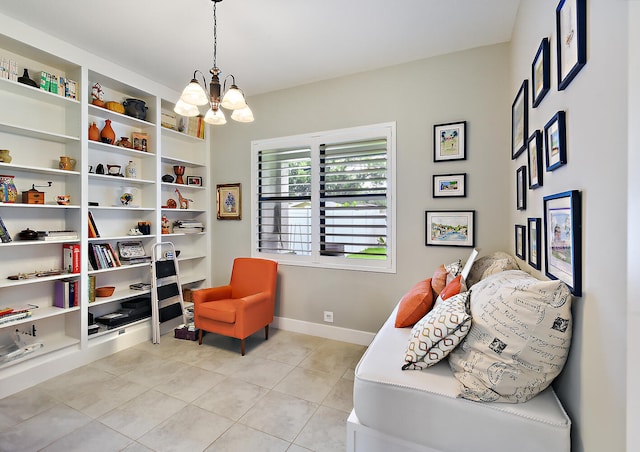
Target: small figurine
point(184, 202)
point(166, 226)
point(98, 95)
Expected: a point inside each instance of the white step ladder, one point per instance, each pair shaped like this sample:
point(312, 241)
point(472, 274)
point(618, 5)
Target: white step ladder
point(167, 303)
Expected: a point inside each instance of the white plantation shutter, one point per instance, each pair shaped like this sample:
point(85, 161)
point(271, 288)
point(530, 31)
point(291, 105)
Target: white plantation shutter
point(326, 199)
point(353, 199)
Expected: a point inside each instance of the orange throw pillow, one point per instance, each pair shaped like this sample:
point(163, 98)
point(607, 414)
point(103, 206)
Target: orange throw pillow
point(453, 288)
point(439, 279)
point(415, 304)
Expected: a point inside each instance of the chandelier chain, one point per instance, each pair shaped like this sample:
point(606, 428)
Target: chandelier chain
point(215, 36)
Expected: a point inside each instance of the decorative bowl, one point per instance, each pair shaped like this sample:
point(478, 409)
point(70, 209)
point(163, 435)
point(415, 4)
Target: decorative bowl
point(115, 106)
point(105, 291)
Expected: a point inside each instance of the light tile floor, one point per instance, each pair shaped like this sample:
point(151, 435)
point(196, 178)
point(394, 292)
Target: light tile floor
point(291, 393)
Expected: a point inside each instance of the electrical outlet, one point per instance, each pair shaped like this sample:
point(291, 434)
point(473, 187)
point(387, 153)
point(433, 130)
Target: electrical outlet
point(328, 316)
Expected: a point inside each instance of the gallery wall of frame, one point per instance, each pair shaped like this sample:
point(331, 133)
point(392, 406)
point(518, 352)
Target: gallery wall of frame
point(450, 227)
point(556, 238)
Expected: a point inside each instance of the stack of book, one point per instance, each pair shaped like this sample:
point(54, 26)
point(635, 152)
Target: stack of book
point(187, 226)
point(57, 235)
point(10, 314)
point(102, 255)
point(195, 127)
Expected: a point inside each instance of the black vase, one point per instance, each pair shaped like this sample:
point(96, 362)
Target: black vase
point(26, 80)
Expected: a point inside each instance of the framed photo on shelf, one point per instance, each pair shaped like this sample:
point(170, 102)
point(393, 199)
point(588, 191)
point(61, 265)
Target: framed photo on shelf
point(571, 32)
point(540, 74)
point(450, 185)
point(229, 201)
point(194, 180)
point(534, 233)
point(534, 156)
point(140, 141)
point(563, 239)
point(520, 121)
point(520, 241)
point(555, 143)
point(449, 141)
point(450, 227)
point(521, 188)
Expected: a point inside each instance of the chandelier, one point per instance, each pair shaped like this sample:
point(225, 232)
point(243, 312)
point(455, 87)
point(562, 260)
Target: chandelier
point(219, 96)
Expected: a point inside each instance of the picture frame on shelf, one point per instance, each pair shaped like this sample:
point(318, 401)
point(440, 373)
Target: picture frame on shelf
point(195, 181)
point(229, 201)
point(540, 74)
point(571, 32)
point(450, 228)
point(449, 141)
point(534, 157)
point(521, 188)
point(534, 234)
point(520, 121)
point(450, 185)
point(520, 241)
point(140, 141)
point(555, 142)
point(563, 238)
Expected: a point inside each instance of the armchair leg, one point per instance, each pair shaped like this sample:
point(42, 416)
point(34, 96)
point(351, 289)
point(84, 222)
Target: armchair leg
point(242, 346)
point(200, 337)
point(266, 333)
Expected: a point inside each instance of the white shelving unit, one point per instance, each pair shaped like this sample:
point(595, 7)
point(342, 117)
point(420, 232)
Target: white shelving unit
point(38, 127)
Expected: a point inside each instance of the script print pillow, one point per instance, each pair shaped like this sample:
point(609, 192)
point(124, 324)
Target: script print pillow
point(519, 340)
point(438, 333)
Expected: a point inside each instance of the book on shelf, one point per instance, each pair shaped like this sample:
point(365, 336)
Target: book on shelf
point(93, 229)
point(4, 234)
point(188, 226)
point(67, 293)
point(102, 255)
point(71, 257)
point(58, 235)
point(15, 316)
point(92, 288)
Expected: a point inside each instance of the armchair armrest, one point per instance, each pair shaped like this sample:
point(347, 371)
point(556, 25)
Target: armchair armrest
point(211, 294)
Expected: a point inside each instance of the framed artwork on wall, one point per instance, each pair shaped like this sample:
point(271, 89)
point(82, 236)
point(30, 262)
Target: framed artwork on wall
point(449, 185)
point(520, 241)
point(520, 121)
point(450, 227)
point(449, 141)
point(571, 32)
point(540, 74)
point(555, 143)
point(534, 155)
point(563, 239)
point(521, 188)
point(534, 233)
point(229, 201)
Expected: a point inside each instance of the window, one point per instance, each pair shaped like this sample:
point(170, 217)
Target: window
point(326, 199)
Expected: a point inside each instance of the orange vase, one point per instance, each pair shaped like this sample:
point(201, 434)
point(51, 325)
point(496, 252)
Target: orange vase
point(107, 135)
point(94, 132)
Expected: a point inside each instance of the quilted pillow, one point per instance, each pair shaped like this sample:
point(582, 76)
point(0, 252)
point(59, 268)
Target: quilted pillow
point(490, 265)
point(444, 274)
point(415, 304)
point(438, 332)
point(519, 340)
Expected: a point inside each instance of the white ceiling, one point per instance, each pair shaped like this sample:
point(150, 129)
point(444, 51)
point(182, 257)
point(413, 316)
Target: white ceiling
point(268, 45)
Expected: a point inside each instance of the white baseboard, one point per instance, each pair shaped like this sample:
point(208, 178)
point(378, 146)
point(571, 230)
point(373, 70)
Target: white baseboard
point(327, 331)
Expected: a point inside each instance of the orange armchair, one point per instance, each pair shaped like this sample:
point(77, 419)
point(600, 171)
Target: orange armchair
point(242, 307)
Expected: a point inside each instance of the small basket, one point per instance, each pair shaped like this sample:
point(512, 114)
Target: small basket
point(115, 106)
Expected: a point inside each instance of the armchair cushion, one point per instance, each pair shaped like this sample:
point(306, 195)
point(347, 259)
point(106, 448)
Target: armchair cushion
point(220, 310)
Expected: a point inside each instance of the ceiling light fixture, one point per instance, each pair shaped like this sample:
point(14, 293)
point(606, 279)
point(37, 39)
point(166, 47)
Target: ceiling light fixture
point(194, 94)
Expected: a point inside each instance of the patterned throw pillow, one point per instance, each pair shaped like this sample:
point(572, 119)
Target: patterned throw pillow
point(438, 332)
point(444, 274)
point(490, 265)
point(519, 340)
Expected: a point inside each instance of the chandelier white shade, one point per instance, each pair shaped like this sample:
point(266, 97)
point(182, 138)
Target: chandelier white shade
point(195, 95)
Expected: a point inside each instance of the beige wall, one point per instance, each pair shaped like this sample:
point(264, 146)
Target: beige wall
point(469, 86)
point(592, 386)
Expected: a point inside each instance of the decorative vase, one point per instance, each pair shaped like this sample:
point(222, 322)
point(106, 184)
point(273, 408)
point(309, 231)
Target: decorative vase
point(25, 79)
point(8, 191)
point(107, 135)
point(127, 198)
point(179, 171)
point(5, 156)
point(130, 170)
point(94, 132)
point(124, 142)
